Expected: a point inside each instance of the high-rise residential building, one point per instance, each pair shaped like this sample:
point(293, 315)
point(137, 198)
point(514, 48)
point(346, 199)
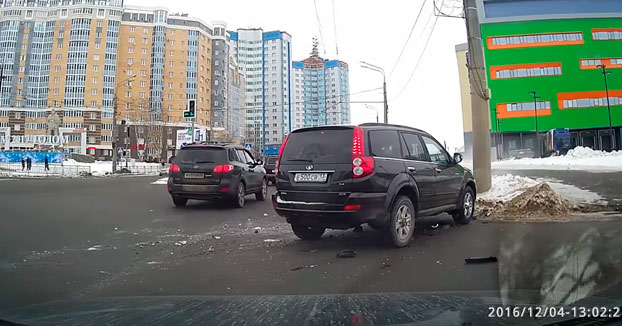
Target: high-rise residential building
point(220, 72)
point(235, 103)
point(164, 60)
point(59, 55)
point(321, 91)
point(265, 59)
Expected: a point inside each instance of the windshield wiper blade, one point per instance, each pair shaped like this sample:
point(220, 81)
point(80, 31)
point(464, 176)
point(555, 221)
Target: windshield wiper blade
point(203, 162)
point(299, 160)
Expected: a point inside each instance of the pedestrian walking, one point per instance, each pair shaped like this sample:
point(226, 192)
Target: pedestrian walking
point(28, 163)
point(23, 163)
point(47, 164)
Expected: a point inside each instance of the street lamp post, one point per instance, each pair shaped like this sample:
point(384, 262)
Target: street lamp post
point(384, 86)
point(115, 101)
point(374, 109)
point(535, 110)
point(611, 135)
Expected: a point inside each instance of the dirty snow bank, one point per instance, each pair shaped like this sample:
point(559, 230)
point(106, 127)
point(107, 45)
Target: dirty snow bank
point(579, 158)
point(506, 187)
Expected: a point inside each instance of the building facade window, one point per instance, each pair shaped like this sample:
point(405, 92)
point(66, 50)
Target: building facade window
point(534, 40)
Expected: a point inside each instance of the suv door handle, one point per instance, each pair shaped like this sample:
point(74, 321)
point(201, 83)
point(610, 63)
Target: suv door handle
point(438, 170)
point(412, 169)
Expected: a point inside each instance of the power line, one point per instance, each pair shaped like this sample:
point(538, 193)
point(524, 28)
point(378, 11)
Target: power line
point(412, 29)
point(439, 12)
point(319, 26)
point(425, 46)
point(335, 29)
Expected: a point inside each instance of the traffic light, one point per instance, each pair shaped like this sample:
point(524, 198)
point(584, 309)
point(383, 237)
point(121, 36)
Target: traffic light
point(189, 112)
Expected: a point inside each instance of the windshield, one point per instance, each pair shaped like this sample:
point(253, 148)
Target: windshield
point(211, 155)
point(318, 146)
point(310, 162)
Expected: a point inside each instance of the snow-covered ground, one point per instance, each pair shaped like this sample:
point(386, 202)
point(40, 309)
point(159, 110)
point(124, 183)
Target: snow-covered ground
point(506, 187)
point(72, 168)
point(579, 158)
point(161, 181)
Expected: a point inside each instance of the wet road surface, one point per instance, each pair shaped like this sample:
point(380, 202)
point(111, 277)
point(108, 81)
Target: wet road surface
point(98, 238)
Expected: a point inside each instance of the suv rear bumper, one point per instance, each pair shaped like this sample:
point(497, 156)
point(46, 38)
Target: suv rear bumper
point(333, 216)
point(206, 192)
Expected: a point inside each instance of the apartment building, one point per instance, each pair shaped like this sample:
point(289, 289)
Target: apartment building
point(321, 92)
point(59, 55)
point(265, 59)
point(164, 60)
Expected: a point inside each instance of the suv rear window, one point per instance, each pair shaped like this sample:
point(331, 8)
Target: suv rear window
point(319, 146)
point(271, 160)
point(201, 155)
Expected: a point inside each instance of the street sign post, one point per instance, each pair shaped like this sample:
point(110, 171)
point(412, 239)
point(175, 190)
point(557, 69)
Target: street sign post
point(248, 146)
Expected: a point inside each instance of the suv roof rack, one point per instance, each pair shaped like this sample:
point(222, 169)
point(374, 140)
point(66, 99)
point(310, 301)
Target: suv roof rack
point(380, 124)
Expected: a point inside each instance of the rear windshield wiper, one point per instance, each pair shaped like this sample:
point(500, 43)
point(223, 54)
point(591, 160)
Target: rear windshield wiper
point(299, 160)
point(204, 162)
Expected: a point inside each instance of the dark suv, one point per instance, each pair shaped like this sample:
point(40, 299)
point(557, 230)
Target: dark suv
point(384, 175)
point(269, 165)
point(208, 171)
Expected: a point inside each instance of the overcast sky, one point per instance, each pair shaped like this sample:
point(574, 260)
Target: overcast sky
point(371, 31)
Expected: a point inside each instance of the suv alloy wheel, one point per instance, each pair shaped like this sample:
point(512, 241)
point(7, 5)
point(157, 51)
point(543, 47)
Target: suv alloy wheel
point(263, 193)
point(238, 200)
point(464, 213)
point(402, 223)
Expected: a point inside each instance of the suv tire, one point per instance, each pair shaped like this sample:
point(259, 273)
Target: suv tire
point(179, 202)
point(238, 199)
point(402, 222)
point(263, 193)
point(464, 213)
point(307, 232)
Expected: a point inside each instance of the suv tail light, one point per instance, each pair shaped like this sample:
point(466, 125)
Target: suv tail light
point(173, 168)
point(361, 165)
point(278, 160)
point(226, 168)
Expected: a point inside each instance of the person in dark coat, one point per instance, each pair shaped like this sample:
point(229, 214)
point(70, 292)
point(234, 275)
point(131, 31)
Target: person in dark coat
point(47, 164)
point(28, 163)
point(23, 163)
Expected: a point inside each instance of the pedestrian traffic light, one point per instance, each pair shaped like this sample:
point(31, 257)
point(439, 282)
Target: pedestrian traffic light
point(189, 112)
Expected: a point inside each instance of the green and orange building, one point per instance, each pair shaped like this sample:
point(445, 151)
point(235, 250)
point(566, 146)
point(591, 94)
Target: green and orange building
point(555, 48)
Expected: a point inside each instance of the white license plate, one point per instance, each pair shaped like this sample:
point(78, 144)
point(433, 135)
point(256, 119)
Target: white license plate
point(193, 175)
point(310, 177)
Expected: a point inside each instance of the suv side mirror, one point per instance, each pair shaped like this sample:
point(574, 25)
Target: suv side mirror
point(457, 157)
point(259, 162)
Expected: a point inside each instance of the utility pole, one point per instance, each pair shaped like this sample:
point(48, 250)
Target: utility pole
point(535, 110)
point(614, 144)
point(479, 99)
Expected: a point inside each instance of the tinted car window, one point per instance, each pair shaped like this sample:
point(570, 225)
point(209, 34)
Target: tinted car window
point(271, 160)
point(244, 158)
point(319, 146)
point(436, 151)
point(201, 155)
point(233, 156)
point(249, 157)
point(385, 143)
point(414, 148)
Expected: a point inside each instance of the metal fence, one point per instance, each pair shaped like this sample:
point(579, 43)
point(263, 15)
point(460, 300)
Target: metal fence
point(141, 169)
point(38, 170)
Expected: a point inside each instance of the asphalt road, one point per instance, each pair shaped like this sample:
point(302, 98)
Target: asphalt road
point(104, 237)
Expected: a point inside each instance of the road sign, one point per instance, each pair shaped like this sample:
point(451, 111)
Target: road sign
point(189, 132)
point(189, 112)
point(248, 146)
point(120, 150)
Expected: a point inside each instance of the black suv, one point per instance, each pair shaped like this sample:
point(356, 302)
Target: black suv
point(269, 165)
point(209, 171)
point(384, 175)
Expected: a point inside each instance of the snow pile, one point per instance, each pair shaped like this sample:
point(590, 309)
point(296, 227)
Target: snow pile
point(579, 158)
point(538, 201)
point(161, 181)
point(506, 187)
point(515, 197)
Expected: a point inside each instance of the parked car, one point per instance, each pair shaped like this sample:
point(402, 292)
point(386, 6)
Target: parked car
point(209, 171)
point(340, 177)
point(269, 165)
